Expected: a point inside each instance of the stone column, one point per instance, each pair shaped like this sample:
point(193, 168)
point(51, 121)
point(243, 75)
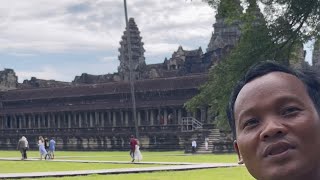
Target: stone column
point(139, 118)
point(110, 118)
point(49, 119)
point(80, 119)
point(97, 119)
point(62, 120)
point(151, 117)
point(4, 121)
point(54, 120)
point(114, 119)
point(13, 121)
point(59, 120)
point(174, 116)
point(102, 120)
point(29, 121)
point(74, 123)
point(90, 119)
point(1, 122)
point(146, 117)
point(85, 119)
point(16, 121)
point(69, 119)
point(23, 119)
point(122, 118)
point(126, 117)
point(43, 120)
point(165, 116)
point(179, 115)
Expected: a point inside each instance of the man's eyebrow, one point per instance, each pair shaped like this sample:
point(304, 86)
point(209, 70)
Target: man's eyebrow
point(278, 101)
point(289, 98)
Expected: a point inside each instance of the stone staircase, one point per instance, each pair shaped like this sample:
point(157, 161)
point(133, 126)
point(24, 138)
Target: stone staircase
point(213, 136)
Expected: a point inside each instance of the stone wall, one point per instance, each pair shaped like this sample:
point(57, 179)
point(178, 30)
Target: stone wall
point(95, 79)
point(41, 83)
point(98, 139)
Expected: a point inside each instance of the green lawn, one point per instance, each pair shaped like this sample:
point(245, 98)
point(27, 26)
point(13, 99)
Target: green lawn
point(46, 166)
point(238, 173)
point(171, 156)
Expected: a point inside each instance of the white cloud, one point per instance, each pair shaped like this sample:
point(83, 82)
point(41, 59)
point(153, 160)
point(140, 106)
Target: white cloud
point(108, 59)
point(46, 72)
point(76, 26)
point(56, 26)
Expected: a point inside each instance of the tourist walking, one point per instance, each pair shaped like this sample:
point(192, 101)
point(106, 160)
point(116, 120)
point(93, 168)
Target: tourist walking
point(46, 144)
point(23, 145)
point(52, 148)
point(194, 146)
point(137, 153)
point(133, 143)
point(42, 150)
point(206, 143)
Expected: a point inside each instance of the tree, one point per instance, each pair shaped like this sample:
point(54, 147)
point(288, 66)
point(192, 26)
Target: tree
point(287, 19)
point(256, 44)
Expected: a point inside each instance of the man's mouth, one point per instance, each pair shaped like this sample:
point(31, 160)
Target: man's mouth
point(277, 149)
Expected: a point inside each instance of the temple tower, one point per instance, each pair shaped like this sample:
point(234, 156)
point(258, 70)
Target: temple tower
point(8, 80)
point(226, 34)
point(138, 59)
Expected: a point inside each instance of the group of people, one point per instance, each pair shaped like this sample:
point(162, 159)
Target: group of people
point(194, 145)
point(135, 149)
point(46, 147)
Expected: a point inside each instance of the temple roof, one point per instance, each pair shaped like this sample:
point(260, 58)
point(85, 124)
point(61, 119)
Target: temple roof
point(161, 84)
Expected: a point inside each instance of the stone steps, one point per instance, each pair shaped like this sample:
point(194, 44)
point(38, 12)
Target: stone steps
point(213, 136)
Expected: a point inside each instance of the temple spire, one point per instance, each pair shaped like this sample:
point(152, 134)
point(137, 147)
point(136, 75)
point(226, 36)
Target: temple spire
point(227, 25)
point(138, 59)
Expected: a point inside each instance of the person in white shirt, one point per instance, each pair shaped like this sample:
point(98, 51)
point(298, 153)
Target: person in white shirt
point(194, 146)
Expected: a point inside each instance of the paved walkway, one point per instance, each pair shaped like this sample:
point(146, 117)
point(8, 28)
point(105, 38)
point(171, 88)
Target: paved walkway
point(171, 166)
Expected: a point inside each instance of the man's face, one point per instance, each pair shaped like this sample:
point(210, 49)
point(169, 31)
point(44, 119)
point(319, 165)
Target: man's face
point(277, 128)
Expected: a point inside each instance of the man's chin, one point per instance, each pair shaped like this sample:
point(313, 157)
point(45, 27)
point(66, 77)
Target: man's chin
point(280, 172)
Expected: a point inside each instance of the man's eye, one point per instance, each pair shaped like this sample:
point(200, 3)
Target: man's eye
point(290, 111)
point(251, 123)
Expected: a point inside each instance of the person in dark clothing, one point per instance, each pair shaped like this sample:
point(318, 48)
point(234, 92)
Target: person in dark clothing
point(46, 143)
point(133, 143)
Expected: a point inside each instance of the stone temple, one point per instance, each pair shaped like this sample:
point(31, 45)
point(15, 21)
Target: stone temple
point(94, 112)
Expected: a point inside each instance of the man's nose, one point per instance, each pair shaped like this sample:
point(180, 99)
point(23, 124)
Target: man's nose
point(273, 128)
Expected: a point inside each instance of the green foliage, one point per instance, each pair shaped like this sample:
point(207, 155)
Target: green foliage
point(297, 19)
point(226, 8)
point(255, 45)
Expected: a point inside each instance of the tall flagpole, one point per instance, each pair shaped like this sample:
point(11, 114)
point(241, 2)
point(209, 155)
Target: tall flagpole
point(130, 72)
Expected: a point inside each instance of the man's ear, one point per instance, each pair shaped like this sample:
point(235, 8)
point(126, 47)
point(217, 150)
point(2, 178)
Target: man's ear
point(236, 148)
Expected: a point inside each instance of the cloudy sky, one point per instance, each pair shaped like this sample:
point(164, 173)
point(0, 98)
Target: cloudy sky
point(61, 39)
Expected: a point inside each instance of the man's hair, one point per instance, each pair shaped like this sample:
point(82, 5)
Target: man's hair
point(308, 76)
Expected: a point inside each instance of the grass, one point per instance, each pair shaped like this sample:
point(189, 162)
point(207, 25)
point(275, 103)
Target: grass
point(47, 166)
point(239, 173)
point(171, 156)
